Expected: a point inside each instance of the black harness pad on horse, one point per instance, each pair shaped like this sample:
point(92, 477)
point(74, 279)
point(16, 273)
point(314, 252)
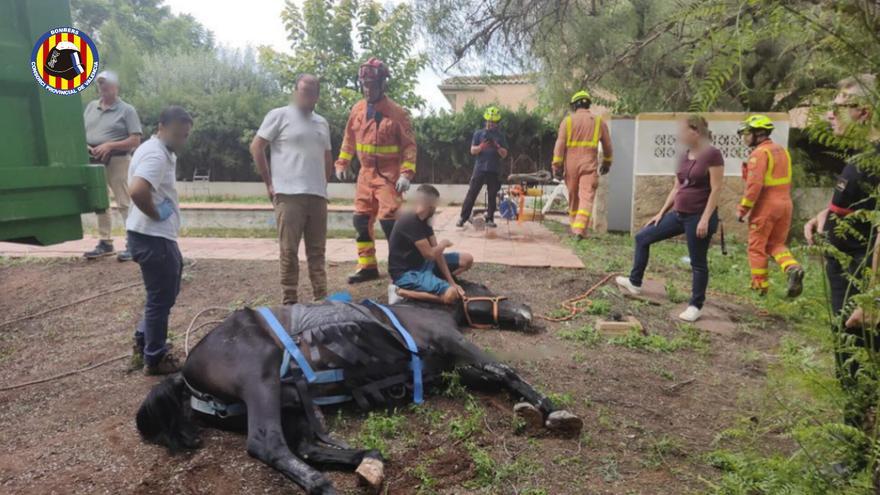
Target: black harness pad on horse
point(345, 335)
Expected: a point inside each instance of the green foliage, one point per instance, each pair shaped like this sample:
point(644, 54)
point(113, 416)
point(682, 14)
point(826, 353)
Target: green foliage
point(129, 31)
point(444, 141)
point(228, 96)
point(586, 335)
point(378, 428)
point(470, 423)
point(331, 38)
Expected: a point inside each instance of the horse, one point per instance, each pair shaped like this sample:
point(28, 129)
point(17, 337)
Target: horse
point(239, 360)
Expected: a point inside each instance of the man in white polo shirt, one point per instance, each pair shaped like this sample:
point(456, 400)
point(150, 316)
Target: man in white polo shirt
point(296, 179)
point(153, 224)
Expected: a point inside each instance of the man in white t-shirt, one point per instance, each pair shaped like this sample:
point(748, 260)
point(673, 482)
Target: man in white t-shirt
point(153, 223)
point(298, 140)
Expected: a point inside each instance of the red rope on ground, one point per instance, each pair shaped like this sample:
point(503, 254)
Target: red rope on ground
point(572, 304)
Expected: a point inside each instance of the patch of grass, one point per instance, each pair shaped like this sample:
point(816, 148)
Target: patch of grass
point(675, 295)
point(453, 386)
point(661, 448)
point(469, 423)
point(490, 473)
point(562, 400)
point(599, 307)
point(609, 469)
point(586, 335)
point(639, 341)
point(427, 483)
point(689, 337)
point(378, 428)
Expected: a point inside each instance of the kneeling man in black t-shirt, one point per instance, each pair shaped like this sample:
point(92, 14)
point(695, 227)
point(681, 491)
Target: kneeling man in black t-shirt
point(417, 262)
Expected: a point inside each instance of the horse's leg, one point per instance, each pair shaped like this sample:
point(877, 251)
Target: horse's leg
point(366, 463)
point(538, 410)
point(266, 440)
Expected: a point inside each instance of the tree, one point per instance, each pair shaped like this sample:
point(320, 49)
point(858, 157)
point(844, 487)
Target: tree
point(126, 31)
point(228, 95)
point(653, 55)
point(331, 38)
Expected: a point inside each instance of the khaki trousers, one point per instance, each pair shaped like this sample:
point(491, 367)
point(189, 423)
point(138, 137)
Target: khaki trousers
point(116, 173)
point(302, 216)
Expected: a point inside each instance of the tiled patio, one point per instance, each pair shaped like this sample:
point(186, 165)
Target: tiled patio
point(514, 244)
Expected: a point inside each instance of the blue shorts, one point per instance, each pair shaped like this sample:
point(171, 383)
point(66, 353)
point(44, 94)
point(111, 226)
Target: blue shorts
point(428, 278)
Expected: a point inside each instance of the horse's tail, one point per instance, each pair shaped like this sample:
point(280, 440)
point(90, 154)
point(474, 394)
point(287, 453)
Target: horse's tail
point(165, 416)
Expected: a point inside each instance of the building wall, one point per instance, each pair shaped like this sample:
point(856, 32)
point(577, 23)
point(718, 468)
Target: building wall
point(507, 95)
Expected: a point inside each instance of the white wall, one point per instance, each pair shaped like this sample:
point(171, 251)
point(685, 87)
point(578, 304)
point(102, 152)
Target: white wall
point(449, 193)
point(656, 147)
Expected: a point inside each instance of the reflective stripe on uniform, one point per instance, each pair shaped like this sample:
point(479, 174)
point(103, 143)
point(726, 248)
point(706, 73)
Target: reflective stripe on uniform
point(769, 180)
point(606, 159)
point(583, 144)
point(345, 156)
point(759, 271)
point(579, 225)
point(557, 159)
point(784, 254)
point(785, 264)
point(365, 244)
point(408, 166)
point(366, 260)
point(583, 212)
point(747, 203)
point(372, 148)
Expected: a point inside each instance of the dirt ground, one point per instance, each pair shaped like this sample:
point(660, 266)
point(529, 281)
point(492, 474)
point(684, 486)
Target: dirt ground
point(649, 416)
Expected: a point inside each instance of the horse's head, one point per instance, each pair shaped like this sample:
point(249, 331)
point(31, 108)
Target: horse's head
point(481, 307)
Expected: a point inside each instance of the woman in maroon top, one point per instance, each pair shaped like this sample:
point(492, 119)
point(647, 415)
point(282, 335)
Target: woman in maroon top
point(690, 209)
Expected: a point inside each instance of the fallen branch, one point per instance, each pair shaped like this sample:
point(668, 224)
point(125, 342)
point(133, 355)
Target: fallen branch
point(56, 308)
point(676, 386)
point(65, 374)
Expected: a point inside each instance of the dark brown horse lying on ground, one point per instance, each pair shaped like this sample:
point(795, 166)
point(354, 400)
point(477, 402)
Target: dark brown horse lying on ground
point(240, 359)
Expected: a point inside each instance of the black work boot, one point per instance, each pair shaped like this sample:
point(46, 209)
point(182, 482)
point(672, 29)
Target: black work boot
point(490, 222)
point(364, 275)
point(166, 366)
point(795, 281)
point(102, 249)
point(123, 256)
point(460, 222)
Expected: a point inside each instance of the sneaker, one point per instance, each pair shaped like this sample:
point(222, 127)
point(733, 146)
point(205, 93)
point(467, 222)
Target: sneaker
point(691, 314)
point(490, 223)
point(166, 366)
point(137, 357)
point(393, 296)
point(102, 249)
point(795, 281)
point(624, 283)
point(460, 222)
point(123, 256)
point(364, 275)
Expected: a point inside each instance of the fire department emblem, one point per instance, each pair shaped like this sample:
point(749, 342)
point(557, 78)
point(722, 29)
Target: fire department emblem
point(64, 61)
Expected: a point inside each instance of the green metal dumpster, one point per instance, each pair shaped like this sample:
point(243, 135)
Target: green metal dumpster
point(46, 181)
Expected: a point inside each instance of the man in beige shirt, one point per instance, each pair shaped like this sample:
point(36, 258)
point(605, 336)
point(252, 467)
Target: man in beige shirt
point(113, 131)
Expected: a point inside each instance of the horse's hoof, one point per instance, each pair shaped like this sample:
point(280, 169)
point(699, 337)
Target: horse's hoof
point(531, 418)
point(371, 473)
point(564, 423)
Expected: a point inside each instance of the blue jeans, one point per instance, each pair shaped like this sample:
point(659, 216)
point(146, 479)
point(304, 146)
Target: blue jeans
point(428, 278)
point(671, 225)
point(161, 267)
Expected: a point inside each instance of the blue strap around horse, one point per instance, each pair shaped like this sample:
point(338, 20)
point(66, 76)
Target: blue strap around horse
point(416, 361)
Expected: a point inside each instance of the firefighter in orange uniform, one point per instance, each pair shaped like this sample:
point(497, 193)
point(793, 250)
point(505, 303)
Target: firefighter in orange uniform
point(767, 202)
point(577, 147)
point(380, 133)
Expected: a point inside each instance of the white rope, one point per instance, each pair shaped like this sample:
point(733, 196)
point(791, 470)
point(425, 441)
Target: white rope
point(193, 322)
